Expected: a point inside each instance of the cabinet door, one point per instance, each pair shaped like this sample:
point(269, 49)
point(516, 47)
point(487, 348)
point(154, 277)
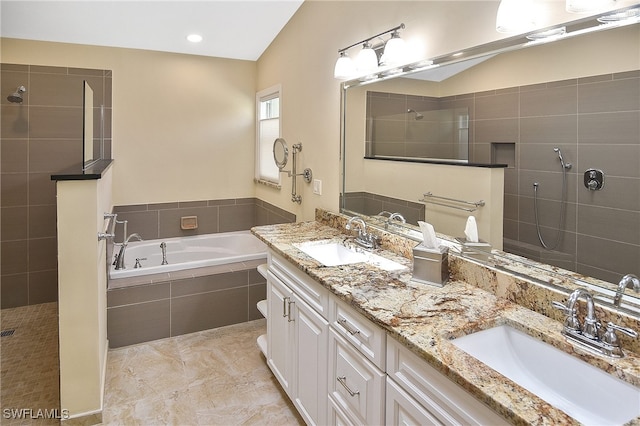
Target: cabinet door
point(311, 354)
point(280, 332)
point(403, 410)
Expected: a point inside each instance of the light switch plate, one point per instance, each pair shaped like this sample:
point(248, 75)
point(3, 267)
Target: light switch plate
point(317, 186)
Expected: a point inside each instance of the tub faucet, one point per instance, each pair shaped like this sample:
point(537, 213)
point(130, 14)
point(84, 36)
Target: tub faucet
point(628, 281)
point(120, 258)
point(163, 246)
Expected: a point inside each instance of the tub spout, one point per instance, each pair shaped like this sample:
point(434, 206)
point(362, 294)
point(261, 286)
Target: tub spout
point(120, 259)
point(163, 246)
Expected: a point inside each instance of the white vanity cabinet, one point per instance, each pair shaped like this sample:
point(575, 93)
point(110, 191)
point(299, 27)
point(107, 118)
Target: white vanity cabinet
point(339, 368)
point(419, 394)
point(297, 338)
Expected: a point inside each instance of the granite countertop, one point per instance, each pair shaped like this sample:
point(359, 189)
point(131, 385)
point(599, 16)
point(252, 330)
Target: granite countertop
point(425, 318)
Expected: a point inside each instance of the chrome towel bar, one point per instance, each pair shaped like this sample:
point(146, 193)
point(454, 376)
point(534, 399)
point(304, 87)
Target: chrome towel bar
point(428, 199)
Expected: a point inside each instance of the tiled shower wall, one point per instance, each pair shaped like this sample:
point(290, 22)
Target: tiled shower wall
point(39, 137)
point(595, 122)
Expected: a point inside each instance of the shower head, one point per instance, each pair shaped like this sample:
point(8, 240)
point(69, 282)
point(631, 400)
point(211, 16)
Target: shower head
point(418, 115)
point(16, 97)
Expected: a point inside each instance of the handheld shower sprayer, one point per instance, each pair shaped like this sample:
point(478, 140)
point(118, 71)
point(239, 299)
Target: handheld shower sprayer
point(564, 165)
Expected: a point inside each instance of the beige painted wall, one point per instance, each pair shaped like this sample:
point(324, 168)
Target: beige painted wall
point(303, 55)
point(82, 293)
point(183, 125)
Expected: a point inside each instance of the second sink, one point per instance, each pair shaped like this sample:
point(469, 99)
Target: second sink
point(581, 390)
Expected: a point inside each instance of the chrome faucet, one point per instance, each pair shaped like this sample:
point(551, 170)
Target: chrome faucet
point(163, 247)
point(120, 258)
point(589, 335)
point(398, 217)
point(364, 239)
point(628, 281)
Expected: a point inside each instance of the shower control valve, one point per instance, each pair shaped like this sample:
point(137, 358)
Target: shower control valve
point(594, 179)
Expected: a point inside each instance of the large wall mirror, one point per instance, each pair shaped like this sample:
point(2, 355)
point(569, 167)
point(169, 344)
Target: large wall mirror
point(548, 111)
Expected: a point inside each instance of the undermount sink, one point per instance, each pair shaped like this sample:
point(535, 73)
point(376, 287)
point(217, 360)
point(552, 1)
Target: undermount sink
point(330, 253)
point(581, 390)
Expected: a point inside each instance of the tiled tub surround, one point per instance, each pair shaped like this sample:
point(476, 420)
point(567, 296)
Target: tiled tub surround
point(38, 138)
point(425, 318)
point(594, 121)
point(162, 220)
point(372, 204)
point(150, 307)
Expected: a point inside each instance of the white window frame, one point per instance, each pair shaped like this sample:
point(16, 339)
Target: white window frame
point(262, 96)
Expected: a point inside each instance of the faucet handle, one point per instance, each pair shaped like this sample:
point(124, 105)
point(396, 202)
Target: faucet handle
point(612, 328)
point(571, 321)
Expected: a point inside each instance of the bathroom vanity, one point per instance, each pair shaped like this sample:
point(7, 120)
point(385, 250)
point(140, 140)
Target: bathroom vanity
point(356, 344)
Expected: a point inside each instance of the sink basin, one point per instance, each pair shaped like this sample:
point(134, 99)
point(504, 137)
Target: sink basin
point(335, 254)
point(581, 390)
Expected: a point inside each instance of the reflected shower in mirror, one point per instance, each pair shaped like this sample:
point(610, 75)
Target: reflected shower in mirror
point(579, 95)
point(416, 127)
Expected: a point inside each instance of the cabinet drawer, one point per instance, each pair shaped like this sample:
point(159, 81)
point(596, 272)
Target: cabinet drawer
point(355, 384)
point(367, 337)
point(444, 399)
point(312, 292)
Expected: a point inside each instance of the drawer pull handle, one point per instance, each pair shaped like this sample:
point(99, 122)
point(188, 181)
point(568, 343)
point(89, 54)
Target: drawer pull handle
point(345, 325)
point(289, 319)
point(343, 381)
point(284, 306)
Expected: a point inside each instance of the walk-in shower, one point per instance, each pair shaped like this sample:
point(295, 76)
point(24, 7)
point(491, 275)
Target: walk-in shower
point(563, 202)
point(418, 115)
point(16, 97)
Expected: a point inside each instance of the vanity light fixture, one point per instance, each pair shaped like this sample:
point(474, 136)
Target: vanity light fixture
point(587, 6)
point(367, 62)
point(626, 16)
point(194, 38)
point(548, 35)
point(516, 16)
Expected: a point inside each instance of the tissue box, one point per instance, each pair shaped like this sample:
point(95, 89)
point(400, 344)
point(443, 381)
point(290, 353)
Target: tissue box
point(480, 250)
point(430, 265)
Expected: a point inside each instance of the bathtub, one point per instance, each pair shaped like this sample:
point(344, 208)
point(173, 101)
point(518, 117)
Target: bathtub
point(189, 252)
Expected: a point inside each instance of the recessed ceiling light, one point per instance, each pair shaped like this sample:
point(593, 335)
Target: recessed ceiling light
point(194, 38)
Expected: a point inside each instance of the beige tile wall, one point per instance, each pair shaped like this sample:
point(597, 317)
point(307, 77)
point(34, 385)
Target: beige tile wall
point(39, 137)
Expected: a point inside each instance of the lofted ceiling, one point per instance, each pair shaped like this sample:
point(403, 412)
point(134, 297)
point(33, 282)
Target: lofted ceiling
point(235, 29)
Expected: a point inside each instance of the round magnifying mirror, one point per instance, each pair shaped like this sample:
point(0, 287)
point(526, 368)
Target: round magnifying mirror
point(280, 153)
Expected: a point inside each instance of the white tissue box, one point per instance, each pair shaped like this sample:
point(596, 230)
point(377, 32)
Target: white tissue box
point(430, 265)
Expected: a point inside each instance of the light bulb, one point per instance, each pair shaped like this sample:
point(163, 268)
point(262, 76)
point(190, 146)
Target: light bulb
point(586, 6)
point(367, 60)
point(395, 51)
point(345, 68)
point(515, 16)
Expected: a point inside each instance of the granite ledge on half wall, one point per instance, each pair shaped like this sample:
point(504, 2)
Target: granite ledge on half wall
point(93, 172)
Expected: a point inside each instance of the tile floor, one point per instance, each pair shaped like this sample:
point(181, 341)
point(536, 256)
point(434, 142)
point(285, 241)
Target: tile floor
point(212, 377)
point(29, 365)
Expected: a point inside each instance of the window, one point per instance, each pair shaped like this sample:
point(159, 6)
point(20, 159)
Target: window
point(268, 130)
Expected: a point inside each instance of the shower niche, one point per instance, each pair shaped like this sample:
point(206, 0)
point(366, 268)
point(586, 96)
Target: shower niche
point(504, 153)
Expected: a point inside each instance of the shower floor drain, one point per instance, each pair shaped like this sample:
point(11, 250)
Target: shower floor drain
point(5, 333)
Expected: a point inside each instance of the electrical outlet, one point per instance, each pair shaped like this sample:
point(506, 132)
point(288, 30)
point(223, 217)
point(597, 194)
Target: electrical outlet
point(317, 186)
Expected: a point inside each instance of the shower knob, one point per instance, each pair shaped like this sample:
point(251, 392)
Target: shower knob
point(594, 179)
